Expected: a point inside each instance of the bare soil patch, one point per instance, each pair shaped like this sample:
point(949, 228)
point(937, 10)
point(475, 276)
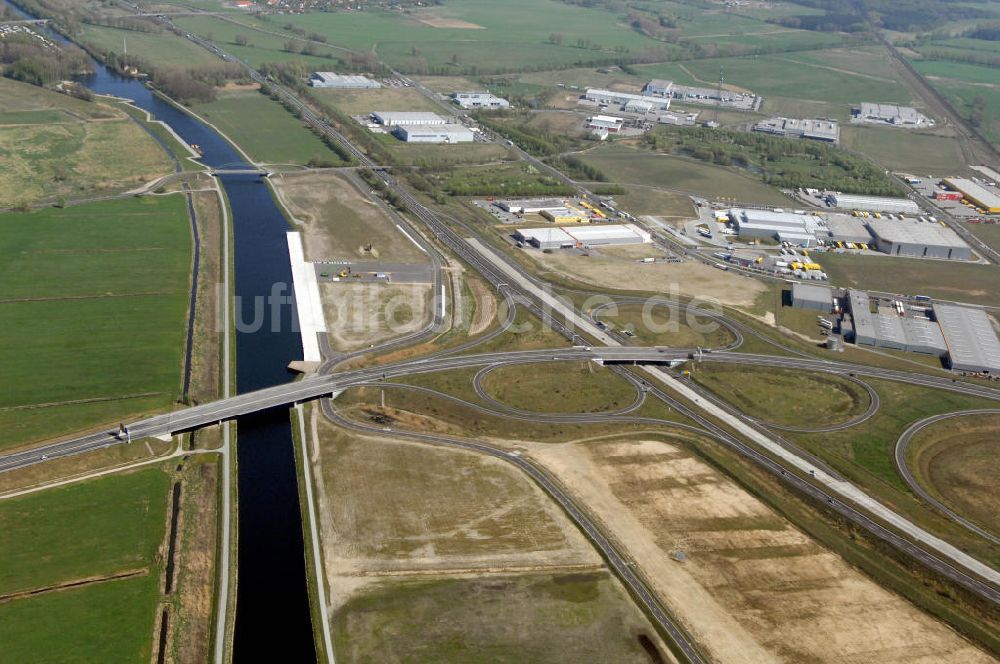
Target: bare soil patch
point(339, 221)
point(359, 314)
point(689, 279)
point(752, 588)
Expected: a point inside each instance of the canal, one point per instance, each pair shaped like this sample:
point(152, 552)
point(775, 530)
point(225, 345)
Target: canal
point(273, 620)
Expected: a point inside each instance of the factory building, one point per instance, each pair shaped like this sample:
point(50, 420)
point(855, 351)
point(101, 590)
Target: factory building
point(586, 236)
point(922, 239)
point(890, 114)
point(607, 122)
point(658, 88)
point(873, 203)
point(798, 229)
point(530, 205)
point(620, 99)
point(328, 79)
point(827, 131)
point(479, 100)
point(446, 133)
point(983, 197)
point(403, 118)
point(808, 296)
point(971, 342)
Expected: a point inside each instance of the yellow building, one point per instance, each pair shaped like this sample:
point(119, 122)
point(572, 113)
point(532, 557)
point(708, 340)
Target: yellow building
point(566, 215)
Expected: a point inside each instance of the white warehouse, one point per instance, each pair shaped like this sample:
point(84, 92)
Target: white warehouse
point(873, 203)
point(583, 236)
point(798, 229)
point(479, 100)
point(446, 133)
point(403, 118)
point(329, 79)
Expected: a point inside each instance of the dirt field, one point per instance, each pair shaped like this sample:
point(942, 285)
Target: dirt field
point(486, 307)
point(358, 314)
point(455, 553)
point(690, 279)
point(752, 588)
point(957, 459)
point(338, 221)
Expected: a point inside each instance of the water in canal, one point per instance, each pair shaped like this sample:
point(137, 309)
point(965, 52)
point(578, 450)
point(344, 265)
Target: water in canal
point(272, 609)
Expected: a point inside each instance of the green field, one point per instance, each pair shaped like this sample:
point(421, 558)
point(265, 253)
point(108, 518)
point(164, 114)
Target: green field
point(631, 166)
point(505, 36)
point(838, 77)
point(523, 618)
point(109, 623)
point(947, 280)
point(94, 302)
point(784, 397)
point(53, 146)
point(580, 387)
point(957, 460)
point(83, 533)
point(261, 47)
point(962, 84)
point(910, 152)
point(160, 49)
point(263, 128)
point(90, 529)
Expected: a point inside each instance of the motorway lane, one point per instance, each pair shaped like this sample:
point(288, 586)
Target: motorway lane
point(904, 470)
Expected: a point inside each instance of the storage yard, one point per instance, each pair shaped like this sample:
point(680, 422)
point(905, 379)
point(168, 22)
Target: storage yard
point(329, 79)
point(551, 210)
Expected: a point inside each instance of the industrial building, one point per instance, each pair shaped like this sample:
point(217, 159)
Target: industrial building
point(445, 133)
point(971, 341)
point(884, 327)
point(819, 129)
point(585, 236)
point(843, 228)
point(403, 118)
point(873, 203)
point(808, 296)
point(530, 205)
point(638, 106)
point(924, 239)
point(977, 194)
point(607, 122)
point(620, 99)
point(328, 79)
point(890, 114)
point(798, 229)
point(658, 88)
point(565, 215)
point(479, 100)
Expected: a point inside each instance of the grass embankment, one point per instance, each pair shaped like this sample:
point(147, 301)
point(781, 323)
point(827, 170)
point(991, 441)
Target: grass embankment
point(94, 313)
point(957, 460)
point(54, 147)
point(83, 533)
point(162, 47)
